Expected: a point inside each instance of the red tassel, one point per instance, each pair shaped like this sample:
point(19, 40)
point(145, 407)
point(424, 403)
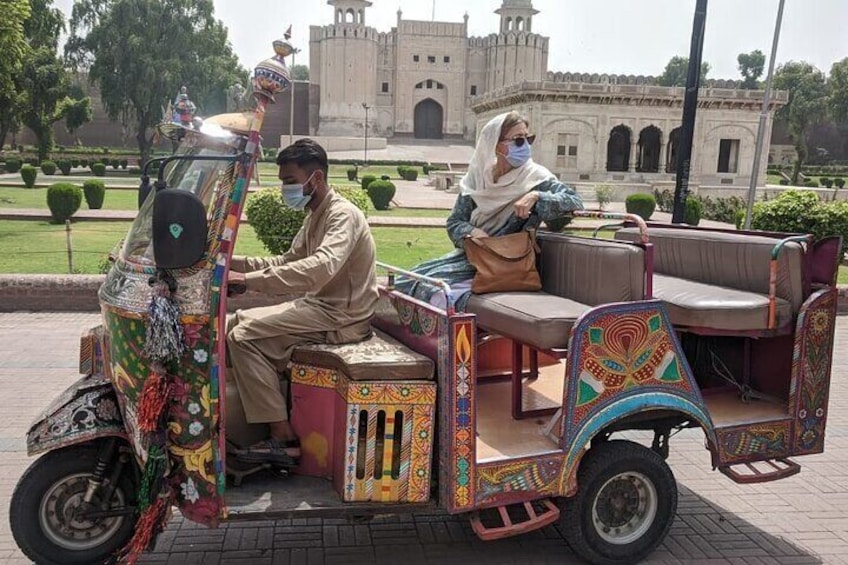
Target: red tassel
point(150, 524)
point(151, 402)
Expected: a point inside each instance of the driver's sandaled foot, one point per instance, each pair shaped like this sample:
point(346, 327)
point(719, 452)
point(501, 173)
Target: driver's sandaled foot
point(273, 451)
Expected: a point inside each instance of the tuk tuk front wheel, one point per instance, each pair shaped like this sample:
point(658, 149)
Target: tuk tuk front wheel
point(47, 512)
point(626, 500)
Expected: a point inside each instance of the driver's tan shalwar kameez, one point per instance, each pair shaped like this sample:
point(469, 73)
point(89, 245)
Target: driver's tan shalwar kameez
point(332, 261)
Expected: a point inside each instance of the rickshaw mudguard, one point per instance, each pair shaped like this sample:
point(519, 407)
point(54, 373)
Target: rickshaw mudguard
point(87, 410)
point(624, 359)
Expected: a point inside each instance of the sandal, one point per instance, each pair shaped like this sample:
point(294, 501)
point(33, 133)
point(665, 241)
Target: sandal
point(271, 451)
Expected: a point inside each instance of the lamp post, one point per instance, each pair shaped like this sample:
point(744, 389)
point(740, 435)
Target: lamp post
point(367, 107)
point(690, 106)
point(764, 114)
point(291, 105)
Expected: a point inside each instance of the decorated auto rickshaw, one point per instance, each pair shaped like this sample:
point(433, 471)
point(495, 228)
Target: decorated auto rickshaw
point(509, 412)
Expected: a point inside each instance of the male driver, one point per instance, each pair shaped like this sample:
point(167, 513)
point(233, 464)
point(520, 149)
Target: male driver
point(332, 261)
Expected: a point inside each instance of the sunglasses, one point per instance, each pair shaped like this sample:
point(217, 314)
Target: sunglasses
point(519, 141)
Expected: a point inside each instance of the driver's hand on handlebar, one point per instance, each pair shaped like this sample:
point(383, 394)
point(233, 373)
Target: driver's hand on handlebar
point(236, 284)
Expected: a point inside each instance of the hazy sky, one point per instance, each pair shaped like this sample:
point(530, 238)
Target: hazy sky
point(595, 36)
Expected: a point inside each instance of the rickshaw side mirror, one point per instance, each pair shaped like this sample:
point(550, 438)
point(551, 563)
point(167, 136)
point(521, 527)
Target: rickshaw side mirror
point(179, 229)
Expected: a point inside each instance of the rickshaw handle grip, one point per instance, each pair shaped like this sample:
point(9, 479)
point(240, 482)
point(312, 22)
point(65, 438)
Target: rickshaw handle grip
point(775, 254)
point(437, 282)
point(640, 223)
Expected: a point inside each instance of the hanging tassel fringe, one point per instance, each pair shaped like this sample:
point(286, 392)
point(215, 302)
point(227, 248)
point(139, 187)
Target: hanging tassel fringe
point(153, 478)
point(150, 524)
point(165, 340)
point(152, 401)
point(164, 343)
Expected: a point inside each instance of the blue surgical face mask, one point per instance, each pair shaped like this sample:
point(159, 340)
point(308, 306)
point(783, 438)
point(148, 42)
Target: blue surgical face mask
point(517, 156)
point(293, 195)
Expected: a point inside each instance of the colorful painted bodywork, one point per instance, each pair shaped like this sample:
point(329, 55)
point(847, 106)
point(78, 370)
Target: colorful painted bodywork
point(332, 445)
point(624, 359)
point(801, 432)
point(86, 411)
point(811, 362)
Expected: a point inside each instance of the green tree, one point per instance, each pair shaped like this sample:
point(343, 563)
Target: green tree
point(677, 70)
point(45, 86)
point(806, 107)
point(140, 52)
point(43, 81)
point(300, 72)
point(838, 92)
point(13, 46)
point(77, 111)
point(751, 67)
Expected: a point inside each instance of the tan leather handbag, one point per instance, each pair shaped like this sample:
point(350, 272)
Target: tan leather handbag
point(504, 264)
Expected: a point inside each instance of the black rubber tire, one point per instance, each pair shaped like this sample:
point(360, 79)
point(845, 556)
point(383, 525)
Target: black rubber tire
point(29, 493)
point(602, 463)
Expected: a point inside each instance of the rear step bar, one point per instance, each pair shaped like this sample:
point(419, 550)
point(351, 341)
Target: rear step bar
point(534, 521)
point(761, 471)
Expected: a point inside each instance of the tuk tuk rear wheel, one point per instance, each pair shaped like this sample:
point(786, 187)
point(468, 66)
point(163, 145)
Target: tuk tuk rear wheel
point(45, 510)
point(626, 500)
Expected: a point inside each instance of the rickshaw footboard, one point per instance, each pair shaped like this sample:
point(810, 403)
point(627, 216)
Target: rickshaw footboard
point(536, 517)
point(761, 471)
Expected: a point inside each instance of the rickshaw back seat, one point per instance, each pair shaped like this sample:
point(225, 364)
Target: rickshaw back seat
point(378, 358)
point(577, 274)
point(720, 280)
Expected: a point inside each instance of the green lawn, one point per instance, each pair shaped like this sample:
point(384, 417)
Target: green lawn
point(40, 248)
point(116, 199)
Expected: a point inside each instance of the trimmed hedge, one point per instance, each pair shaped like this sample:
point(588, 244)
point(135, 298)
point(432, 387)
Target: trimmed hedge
point(381, 193)
point(366, 180)
point(64, 200)
point(48, 168)
point(641, 204)
point(692, 215)
point(407, 173)
point(64, 166)
point(13, 165)
point(98, 169)
point(351, 173)
point(839, 182)
point(95, 193)
point(430, 168)
point(276, 224)
point(29, 174)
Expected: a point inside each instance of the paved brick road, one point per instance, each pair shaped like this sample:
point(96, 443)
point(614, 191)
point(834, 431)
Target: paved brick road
point(803, 519)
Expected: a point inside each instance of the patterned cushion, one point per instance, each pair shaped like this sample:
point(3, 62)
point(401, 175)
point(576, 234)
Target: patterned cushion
point(379, 358)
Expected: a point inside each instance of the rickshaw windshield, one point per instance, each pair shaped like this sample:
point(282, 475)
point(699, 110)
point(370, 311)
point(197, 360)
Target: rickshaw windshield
point(200, 177)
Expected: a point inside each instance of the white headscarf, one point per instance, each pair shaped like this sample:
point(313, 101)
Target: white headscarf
point(494, 200)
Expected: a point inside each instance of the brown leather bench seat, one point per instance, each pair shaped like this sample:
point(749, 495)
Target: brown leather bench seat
point(378, 358)
point(577, 274)
point(695, 304)
point(720, 281)
point(536, 318)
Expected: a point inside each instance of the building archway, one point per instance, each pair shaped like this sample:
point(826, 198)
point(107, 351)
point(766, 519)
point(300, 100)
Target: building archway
point(671, 152)
point(429, 117)
point(618, 149)
point(649, 150)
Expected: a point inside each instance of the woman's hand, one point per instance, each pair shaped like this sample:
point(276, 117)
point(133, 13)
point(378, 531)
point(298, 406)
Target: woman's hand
point(477, 232)
point(524, 205)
